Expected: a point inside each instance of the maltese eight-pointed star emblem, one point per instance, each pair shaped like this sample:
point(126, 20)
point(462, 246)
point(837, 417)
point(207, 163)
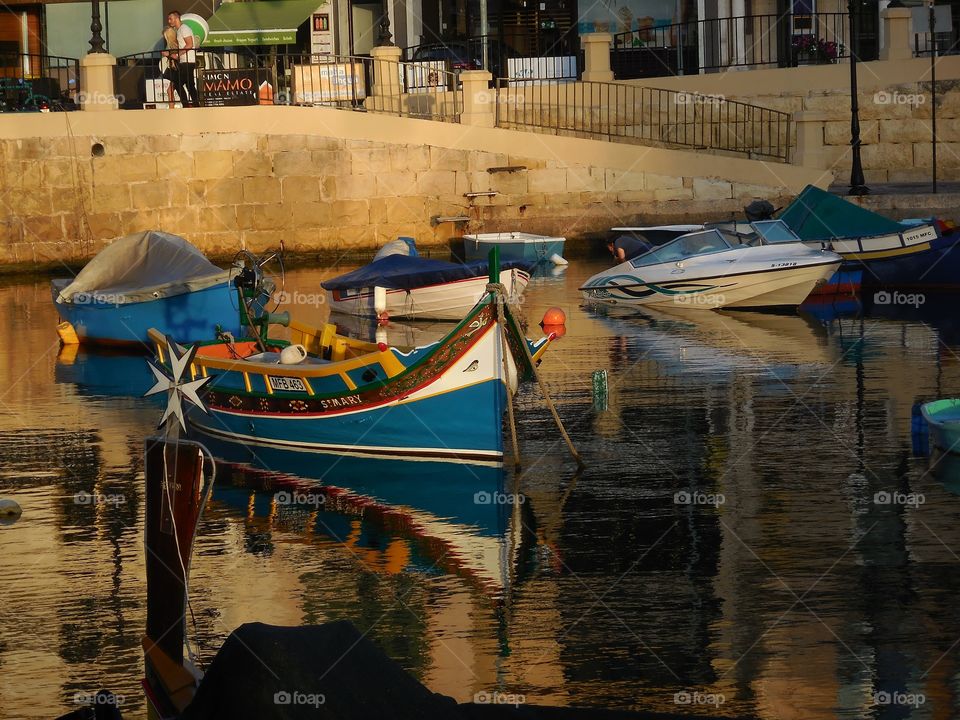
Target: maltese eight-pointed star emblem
point(175, 382)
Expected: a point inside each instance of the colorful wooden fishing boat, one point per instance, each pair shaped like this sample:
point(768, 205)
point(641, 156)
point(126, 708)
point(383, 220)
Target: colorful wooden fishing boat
point(327, 393)
point(148, 279)
point(943, 418)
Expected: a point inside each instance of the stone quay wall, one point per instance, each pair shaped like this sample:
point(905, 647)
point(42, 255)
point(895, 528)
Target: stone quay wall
point(330, 181)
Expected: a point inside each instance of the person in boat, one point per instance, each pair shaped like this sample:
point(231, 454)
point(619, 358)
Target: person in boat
point(627, 247)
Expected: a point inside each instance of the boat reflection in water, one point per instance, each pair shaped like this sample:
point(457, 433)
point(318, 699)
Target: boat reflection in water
point(392, 515)
point(945, 468)
point(720, 342)
point(101, 372)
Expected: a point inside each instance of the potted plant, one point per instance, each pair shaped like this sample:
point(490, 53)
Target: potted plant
point(812, 50)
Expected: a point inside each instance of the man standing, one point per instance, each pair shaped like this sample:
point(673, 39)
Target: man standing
point(186, 56)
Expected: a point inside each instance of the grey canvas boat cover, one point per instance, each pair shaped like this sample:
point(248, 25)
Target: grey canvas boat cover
point(141, 267)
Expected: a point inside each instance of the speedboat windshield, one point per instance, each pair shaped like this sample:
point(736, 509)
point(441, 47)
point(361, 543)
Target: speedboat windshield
point(762, 232)
point(683, 247)
point(775, 231)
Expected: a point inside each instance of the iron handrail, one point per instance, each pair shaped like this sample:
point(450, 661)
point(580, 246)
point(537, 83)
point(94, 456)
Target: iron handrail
point(643, 115)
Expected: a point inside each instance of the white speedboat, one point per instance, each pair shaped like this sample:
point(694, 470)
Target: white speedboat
point(715, 268)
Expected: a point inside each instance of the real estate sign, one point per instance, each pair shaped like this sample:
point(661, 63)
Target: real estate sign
point(227, 88)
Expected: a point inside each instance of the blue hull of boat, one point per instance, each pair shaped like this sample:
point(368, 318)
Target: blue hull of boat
point(190, 317)
point(943, 418)
point(435, 427)
point(935, 268)
point(532, 252)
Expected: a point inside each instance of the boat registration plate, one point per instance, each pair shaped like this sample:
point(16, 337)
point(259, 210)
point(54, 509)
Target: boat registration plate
point(289, 384)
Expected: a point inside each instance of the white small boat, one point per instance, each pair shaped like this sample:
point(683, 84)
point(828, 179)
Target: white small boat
point(417, 287)
point(515, 246)
point(715, 268)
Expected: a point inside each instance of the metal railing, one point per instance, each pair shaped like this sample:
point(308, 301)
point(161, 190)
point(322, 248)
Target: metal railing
point(947, 43)
point(417, 89)
point(30, 82)
point(642, 115)
point(715, 44)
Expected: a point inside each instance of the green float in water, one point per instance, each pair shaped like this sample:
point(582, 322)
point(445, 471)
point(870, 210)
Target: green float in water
point(600, 389)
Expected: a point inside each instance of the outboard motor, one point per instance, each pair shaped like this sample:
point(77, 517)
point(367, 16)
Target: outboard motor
point(759, 210)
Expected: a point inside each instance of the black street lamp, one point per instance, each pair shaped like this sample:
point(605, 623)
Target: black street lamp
point(857, 184)
point(933, 93)
point(96, 39)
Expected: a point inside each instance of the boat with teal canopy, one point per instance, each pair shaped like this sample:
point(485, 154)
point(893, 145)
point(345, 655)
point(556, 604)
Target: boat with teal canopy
point(910, 254)
point(819, 215)
point(943, 417)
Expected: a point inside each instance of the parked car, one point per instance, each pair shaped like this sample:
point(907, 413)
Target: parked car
point(457, 54)
point(467, 54)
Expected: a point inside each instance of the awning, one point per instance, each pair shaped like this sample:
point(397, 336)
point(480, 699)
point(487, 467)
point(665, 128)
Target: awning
point(271, 22)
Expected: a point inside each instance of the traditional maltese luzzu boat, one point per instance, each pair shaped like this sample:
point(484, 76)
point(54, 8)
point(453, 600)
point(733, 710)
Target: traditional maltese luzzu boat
point(326, 393)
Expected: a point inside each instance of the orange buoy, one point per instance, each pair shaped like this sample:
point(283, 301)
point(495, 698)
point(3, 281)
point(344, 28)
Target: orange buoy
point(558, 331)
point(554, 316)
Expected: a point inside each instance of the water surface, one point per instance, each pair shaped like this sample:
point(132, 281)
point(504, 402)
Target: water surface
point(754, 527)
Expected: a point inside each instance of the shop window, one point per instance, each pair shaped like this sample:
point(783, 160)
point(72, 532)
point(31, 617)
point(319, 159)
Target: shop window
point(9, 53)
point(803, 11)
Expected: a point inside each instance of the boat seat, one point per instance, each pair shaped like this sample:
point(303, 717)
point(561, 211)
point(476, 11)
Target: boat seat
point(274, 357)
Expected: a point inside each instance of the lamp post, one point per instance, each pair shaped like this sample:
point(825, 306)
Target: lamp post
point(857, 184)
point(933, 93)
point(96, 39)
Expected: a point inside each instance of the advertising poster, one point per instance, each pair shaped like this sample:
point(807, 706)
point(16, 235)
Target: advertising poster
point(619, 16)
point(229, 88)
point(327, 82)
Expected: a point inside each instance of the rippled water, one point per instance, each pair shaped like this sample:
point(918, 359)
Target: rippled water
point(787, 587)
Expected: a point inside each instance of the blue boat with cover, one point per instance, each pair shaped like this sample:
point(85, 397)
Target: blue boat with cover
point(148, 279)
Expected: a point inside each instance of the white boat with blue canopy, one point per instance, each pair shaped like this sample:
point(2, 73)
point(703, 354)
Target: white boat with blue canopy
point(714, 268)
point(418, 287)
